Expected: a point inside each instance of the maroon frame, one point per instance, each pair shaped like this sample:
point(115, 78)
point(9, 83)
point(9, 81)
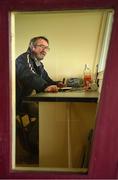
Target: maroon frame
point(104, 159)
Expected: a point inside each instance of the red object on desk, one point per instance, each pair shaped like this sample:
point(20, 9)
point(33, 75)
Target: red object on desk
point(87, 81)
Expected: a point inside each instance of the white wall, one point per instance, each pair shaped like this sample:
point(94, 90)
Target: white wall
point(73, 39)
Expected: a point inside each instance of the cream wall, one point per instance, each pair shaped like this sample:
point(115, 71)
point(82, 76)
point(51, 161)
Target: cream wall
point(74, 39)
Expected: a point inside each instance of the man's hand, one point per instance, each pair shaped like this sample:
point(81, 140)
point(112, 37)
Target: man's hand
point(52, 88)
point(60, 84)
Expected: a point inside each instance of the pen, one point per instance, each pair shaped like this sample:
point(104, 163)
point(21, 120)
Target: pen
point(63, 81)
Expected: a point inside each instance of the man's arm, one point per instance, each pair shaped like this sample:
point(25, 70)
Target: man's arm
point(30, 79)
point(28, 76)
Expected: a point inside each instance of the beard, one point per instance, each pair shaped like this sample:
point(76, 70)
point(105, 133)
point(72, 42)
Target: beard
point(40, 56)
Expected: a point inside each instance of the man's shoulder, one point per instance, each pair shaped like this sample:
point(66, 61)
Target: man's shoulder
point(22, 56)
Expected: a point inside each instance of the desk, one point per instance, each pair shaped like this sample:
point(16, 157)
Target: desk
point(68, 96)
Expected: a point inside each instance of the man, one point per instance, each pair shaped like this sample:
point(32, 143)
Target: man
point(31, 76)
point(30, 72)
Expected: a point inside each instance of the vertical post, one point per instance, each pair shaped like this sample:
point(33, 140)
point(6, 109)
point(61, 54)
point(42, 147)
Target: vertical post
point(69, 133)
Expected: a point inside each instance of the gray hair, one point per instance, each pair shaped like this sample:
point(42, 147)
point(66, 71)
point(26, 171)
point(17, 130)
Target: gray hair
point(33, 41)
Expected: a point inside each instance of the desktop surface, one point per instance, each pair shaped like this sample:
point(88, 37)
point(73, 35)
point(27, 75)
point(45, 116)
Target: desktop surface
point(65, 96)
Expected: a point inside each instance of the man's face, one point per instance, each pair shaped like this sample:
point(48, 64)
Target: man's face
point(40, 49)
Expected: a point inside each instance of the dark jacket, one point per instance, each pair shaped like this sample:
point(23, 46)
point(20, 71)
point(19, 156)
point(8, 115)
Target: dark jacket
point(29, 77)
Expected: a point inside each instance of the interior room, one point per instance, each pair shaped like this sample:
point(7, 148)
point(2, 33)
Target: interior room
point(76, 38)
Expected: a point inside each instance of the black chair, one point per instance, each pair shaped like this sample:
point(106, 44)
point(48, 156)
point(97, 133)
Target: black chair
point(27, 136)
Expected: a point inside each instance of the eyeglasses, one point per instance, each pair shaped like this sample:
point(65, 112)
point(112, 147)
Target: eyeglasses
point(43, 47)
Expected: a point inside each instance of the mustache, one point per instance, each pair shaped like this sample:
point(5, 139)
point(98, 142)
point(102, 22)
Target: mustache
point(43, 52)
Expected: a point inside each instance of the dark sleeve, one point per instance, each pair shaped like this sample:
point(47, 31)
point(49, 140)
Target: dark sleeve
point(28, 76)
point(48, 79)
